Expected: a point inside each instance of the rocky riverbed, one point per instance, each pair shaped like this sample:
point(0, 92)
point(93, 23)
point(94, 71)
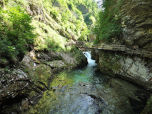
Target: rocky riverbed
point(87, 91)
point(24, 84)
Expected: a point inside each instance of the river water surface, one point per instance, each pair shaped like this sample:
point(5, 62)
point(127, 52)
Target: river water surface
point(86, 91)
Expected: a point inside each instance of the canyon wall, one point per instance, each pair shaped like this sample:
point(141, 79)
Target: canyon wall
point(136, 21)
point(136, 24)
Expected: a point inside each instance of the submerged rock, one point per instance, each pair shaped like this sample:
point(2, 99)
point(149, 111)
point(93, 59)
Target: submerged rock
point(123, 98)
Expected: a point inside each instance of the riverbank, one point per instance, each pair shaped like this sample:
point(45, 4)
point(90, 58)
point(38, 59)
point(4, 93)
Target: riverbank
point(25, 84)
point(84, 90)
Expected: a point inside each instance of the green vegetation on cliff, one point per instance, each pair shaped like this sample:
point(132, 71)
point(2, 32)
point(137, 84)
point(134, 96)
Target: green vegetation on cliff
point(31, 34)
point(42, 25)
point(108, 25)
point(15, 33)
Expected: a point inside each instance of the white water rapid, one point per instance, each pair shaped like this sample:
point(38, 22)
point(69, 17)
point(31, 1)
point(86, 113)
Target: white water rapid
point(90, 61)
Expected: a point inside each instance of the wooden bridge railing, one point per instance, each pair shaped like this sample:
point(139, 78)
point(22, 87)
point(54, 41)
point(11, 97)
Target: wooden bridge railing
point(111, 47)
point(122, 48)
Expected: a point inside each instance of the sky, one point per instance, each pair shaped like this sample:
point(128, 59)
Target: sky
point(100, 2)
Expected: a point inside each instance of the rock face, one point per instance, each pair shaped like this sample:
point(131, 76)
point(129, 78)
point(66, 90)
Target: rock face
point(32, 75)
point(83, 9)
point(132, 68)
point(62, 60)
point(12, 86)
point(136, 20)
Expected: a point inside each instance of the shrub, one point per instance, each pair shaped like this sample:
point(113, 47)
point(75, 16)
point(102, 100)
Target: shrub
point(107, 26)
point(15, 32)
point(87, 19)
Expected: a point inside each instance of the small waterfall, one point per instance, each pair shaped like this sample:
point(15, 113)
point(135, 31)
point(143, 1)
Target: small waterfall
point(90, 61)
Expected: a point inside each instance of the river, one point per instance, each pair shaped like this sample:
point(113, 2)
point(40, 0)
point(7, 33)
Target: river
point(87, 91)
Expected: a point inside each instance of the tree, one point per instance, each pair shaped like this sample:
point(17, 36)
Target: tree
point(16, 32)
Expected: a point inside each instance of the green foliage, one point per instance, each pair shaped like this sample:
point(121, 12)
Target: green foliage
point(66, 16)
point(16, 26)
point(76, 53)
point(15, 31)
point(71, 19)
point(90, 4)
point(69, 12)
point(107, 25)
point(54, 12)
point(3, 61)
point(71, 6)
point(79, 15)
point(87, 19)
point(47, 40)
point(84, 34)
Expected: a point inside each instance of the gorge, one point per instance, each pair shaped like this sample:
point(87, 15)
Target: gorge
point(43, 71)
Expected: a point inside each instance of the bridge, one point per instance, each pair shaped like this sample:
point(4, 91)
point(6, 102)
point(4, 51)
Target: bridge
point(115, 48)
point(119, 48)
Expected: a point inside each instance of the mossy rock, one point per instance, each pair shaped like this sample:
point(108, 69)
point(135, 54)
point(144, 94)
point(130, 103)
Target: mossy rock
point(43, 73)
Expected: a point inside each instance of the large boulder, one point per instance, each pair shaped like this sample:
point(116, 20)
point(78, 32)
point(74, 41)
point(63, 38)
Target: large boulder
point(13, 87)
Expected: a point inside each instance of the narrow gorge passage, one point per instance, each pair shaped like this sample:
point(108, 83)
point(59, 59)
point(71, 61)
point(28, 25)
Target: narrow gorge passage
point(87, 91)
point(45, 61)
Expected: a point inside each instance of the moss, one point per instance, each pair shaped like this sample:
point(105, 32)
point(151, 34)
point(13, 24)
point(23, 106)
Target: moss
point(33, 111)
point(110, 62)
point(42, 73)
point(62, 79)
point(42, 105)
point(32, 93)
point(148, 107)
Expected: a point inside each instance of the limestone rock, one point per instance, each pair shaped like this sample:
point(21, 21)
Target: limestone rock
point(35, 66)
point(133, 69)
point(34, 10)
point(13, 85)
point(43, 56)
point(57, 64)
point(137, 22)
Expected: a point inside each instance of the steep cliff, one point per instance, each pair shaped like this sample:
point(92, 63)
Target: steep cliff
point(33, 34)
point(41, 25)
point(125, 22)
point(134, 20)
point(135, 23)
point(132, 68)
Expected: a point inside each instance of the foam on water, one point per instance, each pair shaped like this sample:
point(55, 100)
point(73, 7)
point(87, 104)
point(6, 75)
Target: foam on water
point(90, 61)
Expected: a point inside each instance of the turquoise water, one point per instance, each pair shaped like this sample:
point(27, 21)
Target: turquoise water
point(86, 74)
point(86, 91)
